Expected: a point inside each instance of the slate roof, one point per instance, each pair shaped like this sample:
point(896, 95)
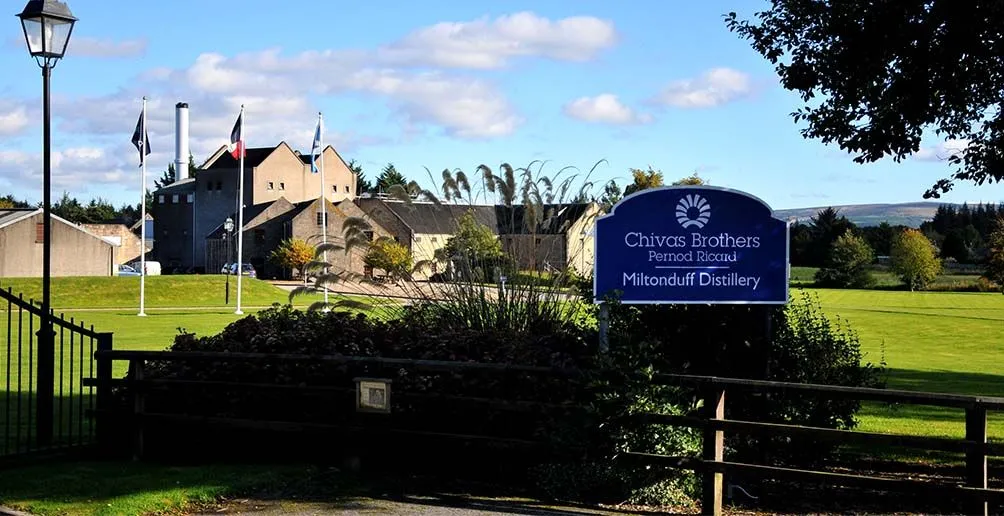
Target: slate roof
point(429, 218)
point(9, 216)
point(555, 218)
point(253, 211)
point(252, 158)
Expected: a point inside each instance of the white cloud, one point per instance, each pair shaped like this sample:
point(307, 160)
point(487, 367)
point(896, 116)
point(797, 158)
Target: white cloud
point(603, 108)
point(486, 44)
point(13, 119)
point(941, 151)
point(410, 77)
point(714, 87)
point(94, 47)
point(70, 168)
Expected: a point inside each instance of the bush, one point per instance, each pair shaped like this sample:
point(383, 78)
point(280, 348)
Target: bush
point(573, 438)
point(728, 341)
point(847, 264)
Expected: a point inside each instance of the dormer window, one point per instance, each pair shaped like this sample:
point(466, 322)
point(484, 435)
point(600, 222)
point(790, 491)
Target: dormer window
point(271, 185)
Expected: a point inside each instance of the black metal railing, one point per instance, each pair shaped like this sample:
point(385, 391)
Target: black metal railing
point(21, 423)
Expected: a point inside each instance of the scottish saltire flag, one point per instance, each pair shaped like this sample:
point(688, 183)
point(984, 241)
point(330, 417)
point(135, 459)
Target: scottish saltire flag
point(315, 150)
point(141, 138)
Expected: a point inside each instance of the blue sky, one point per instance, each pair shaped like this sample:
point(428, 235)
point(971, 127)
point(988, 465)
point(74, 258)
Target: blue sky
point(435, 85)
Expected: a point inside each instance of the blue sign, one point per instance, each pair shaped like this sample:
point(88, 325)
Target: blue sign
point(691, 244)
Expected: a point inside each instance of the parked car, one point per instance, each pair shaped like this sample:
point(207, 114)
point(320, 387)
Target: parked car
point(125, 270)
point(152, 268)
point(246, 270)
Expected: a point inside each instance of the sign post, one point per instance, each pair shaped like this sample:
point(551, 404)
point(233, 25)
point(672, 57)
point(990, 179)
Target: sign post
point(692, 245)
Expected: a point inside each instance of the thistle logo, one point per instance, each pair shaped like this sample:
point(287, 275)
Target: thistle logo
point(693, 210)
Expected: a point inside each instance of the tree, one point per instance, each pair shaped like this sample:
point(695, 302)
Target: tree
point(691, 180)
point(643, 179)
point(847, 263)
point(880, 237)
point(915, 259)
point(362, 184)
point(824, 229)
point(170, 177)
point(389, 177)
point(389, 256)
point(474, 245)
point(874, 76)
point(995, 260)
point(611, 196)
point(293, 253)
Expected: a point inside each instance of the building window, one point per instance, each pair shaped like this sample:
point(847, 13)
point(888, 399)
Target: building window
point(369, 235)
point(434, 240)
point(174, 199)
point(346, 188)
point(321, 218)
point(160, 199)
point(334, 188)
point(282, 186)
point(190, 198)
point(538, 241)
point(39, 233)
point(209, 186)
point(418, 239)
point(259, 237)
point(271, 185)
point(219, 185)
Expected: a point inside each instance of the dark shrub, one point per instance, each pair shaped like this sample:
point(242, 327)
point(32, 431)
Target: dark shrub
point(580, 426)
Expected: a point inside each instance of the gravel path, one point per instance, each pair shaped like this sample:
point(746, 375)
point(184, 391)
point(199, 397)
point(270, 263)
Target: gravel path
point(425, 506)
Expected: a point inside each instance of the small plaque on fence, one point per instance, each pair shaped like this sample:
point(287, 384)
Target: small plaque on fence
point(373, 395)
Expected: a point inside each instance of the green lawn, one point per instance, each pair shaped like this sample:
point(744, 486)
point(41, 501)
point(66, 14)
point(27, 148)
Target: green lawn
point(100, 488)
point(931, 341)
point(885, 279)
point(161, 291)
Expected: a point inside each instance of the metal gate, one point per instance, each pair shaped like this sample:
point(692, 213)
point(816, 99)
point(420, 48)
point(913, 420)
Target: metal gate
point(35, 419)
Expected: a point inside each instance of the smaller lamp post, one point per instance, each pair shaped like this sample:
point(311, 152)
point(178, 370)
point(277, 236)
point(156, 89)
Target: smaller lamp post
point(228, 227)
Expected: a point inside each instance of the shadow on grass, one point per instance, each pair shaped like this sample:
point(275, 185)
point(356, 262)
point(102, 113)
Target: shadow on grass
point(942, 381)
point(18, 432)
point(137, 488)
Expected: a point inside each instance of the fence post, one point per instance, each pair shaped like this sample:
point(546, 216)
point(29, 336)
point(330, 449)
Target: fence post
point(102, 418)
point(137, 367)
point(976, 459)
point(713, 450)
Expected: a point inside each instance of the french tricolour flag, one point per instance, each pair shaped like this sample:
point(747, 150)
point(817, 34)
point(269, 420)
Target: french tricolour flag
point(236, 146)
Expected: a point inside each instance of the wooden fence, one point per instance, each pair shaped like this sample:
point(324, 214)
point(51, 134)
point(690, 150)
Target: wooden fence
point(711, 464)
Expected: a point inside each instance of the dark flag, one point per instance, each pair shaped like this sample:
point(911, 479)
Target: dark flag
point(141, 138)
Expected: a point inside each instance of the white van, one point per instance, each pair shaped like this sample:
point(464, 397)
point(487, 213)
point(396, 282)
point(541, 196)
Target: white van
point(152, 268)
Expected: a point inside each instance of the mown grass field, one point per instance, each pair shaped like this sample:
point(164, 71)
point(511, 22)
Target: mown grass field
point(930, 341)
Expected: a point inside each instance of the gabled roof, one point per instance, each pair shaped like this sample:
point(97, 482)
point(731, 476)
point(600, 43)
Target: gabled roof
point(10, 217)
point(182, 186)
point(252, 158)
point(429, 218)
point(554, 218)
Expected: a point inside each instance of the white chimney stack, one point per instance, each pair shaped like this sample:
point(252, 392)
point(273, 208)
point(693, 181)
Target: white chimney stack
point(181, 151)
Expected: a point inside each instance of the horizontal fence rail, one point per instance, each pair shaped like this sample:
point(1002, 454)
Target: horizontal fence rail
point(711, 420)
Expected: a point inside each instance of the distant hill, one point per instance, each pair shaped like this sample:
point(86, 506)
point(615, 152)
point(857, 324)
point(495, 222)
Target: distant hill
point(911, 214)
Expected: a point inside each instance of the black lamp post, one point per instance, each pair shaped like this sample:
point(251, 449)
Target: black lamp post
point(228, 227)
point(47, 26)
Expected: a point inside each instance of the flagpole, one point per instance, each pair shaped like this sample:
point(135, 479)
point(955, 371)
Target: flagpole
point(142, 244)
point(324, 204)
point(241, 145)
